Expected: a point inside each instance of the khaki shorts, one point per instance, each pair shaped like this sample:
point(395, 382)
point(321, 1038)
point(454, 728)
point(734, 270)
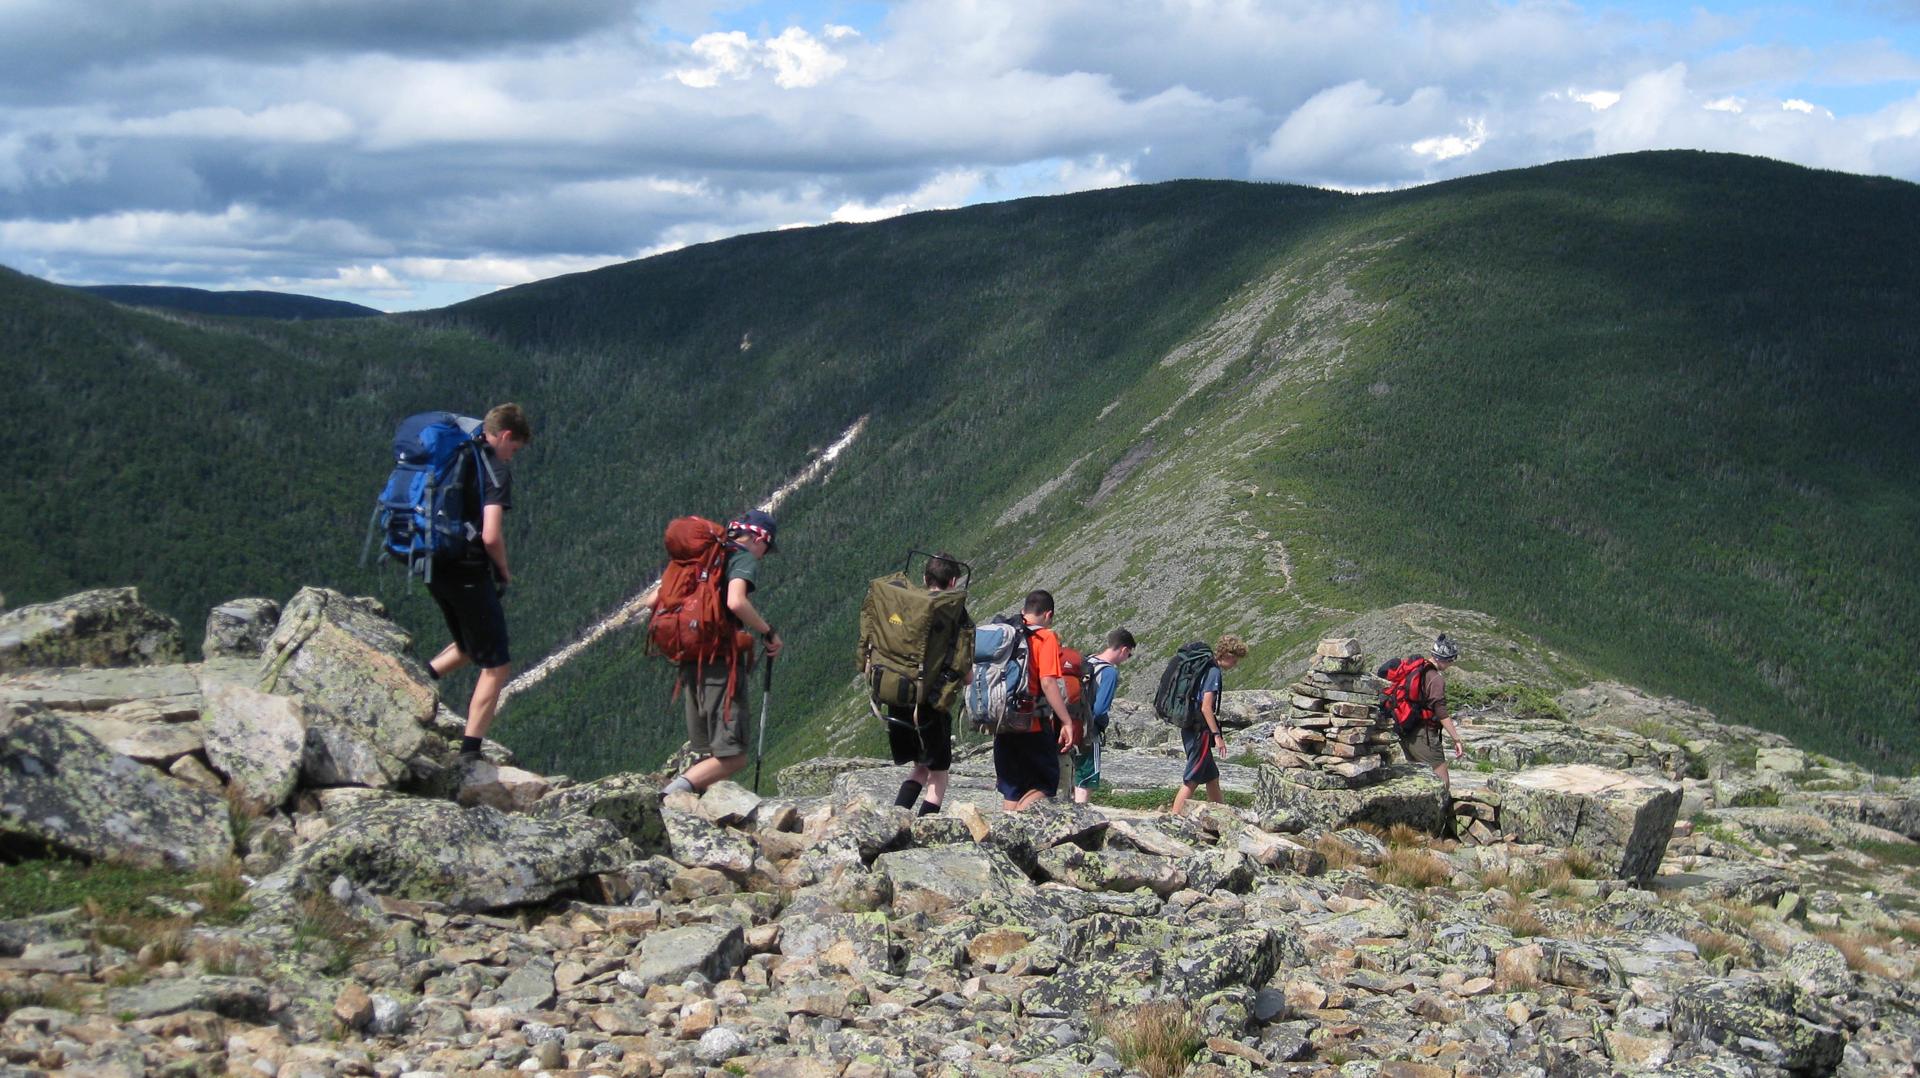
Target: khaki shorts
point(711, 729)
point(1424, 747)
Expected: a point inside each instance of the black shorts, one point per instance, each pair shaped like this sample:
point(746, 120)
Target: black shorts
point(1023, 763)
point(922, 737)
point(471, 606)
point(1201, 765)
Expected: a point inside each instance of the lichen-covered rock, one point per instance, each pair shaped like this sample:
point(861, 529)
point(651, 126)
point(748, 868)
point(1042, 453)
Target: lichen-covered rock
point(1247, 956)
point(943, 877)
point(697, 842)
point(1763, 1020)
point(630, 801)
point(256, 739)
point(1623, 820)
point(472, 859)
point(1407, 794)
point(370, 702)
point(242, 998)
point(157, 743)
point(509, 789)
point(714, 951)
point(813, 778)
point(104, 627)
point(59, 785)
point(1110, 870)
point(240, 628)
point(1121, 979)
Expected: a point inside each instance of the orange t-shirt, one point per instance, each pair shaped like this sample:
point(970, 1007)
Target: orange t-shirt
point(1043, 661)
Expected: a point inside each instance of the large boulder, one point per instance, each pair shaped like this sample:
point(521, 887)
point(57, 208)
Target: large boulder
point(1623, 820)
point(1409, 794)
point(240, 628)
point(370, 701)
point(472, 859)
point(630, 801)
point(256, 739)
point(940, 878)
point(105, 627)
point(1769, 1021)
point(61, 787)
point(715, 951)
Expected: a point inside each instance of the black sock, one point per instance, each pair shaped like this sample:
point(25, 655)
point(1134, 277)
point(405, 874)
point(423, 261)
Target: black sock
point(909, 793)
point(432, 673)
point(469, 744)
point(928, 808)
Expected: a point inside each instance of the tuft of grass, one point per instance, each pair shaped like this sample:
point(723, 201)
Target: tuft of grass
point(1715, 945)
point(1339, 855)
point(326, 929)
point(59, 997)
point(1853, 946)
point(1580, 864)
point(1757, 797)
point(1521, 921)
point(1412, 867)
point(1158, 1039)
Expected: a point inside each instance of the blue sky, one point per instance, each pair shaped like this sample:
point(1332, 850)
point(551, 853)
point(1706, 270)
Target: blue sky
point(408, 155)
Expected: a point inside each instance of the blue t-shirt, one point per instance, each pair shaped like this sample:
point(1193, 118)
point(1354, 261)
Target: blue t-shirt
point(1106, 682)
point(1210, 682)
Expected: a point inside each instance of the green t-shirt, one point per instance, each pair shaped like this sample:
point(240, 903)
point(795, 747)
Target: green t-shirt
point(742, 565)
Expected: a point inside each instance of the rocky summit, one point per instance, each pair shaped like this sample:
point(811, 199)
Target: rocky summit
point(271, 863)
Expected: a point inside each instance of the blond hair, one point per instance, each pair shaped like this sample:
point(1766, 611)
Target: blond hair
point(1229, 644)
point(510, 419)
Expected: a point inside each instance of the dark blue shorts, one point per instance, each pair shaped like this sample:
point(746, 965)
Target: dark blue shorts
point(1201, 765)
point(471, 606)
point(1023, 763)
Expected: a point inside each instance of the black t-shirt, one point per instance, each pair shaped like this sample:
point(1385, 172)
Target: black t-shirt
point(489, 481)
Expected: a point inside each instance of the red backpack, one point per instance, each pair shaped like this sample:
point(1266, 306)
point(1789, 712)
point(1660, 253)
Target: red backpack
point(1401, 699)
point(691, 622)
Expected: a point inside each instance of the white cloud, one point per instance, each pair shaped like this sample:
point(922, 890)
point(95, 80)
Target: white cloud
point(943, 192)
point(1446, 147)
point(796, 58)
point(474, 156)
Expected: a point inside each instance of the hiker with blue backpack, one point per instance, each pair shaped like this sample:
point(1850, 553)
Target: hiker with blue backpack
point(1190, 696)
point(1027, 712)
point(443, 513)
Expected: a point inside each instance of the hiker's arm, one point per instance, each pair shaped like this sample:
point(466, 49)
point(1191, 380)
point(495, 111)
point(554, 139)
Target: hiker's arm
point(1055, 690)
point(1208, 703)
point(493, 536)
point(742, 607)
point(1437, 693)
point(1459, 746)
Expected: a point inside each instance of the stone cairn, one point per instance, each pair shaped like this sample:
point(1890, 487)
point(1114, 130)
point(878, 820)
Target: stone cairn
point(1336, 736)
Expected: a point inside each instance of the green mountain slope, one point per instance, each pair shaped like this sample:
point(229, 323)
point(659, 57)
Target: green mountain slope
point(1653, 410)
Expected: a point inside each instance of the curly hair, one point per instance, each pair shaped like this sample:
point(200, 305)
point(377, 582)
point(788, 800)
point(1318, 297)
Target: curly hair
point(1229, 644)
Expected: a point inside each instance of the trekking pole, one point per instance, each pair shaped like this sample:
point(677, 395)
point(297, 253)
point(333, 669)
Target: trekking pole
point(766, 690)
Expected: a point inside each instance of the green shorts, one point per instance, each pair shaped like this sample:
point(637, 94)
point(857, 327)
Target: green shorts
point(716, 726)
point(1423, 746)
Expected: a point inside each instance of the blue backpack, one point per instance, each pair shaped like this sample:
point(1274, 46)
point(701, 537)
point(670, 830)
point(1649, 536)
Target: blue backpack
point(999, 700)
point(425, 510)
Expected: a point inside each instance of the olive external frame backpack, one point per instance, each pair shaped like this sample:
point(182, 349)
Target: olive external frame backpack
point(914, 643)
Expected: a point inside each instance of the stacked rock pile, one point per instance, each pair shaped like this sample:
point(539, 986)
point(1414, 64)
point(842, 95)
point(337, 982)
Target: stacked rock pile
point(1335, 736)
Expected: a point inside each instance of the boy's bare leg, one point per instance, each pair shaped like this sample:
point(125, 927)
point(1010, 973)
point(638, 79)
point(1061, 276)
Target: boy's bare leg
point(486, 698)
point(713, 769)
point(1213, 791)
point(451, 658)
point(1180, 798)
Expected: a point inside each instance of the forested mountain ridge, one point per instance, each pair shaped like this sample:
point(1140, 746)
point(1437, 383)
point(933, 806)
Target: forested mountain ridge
point(1654, 410)
point(251, 303)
